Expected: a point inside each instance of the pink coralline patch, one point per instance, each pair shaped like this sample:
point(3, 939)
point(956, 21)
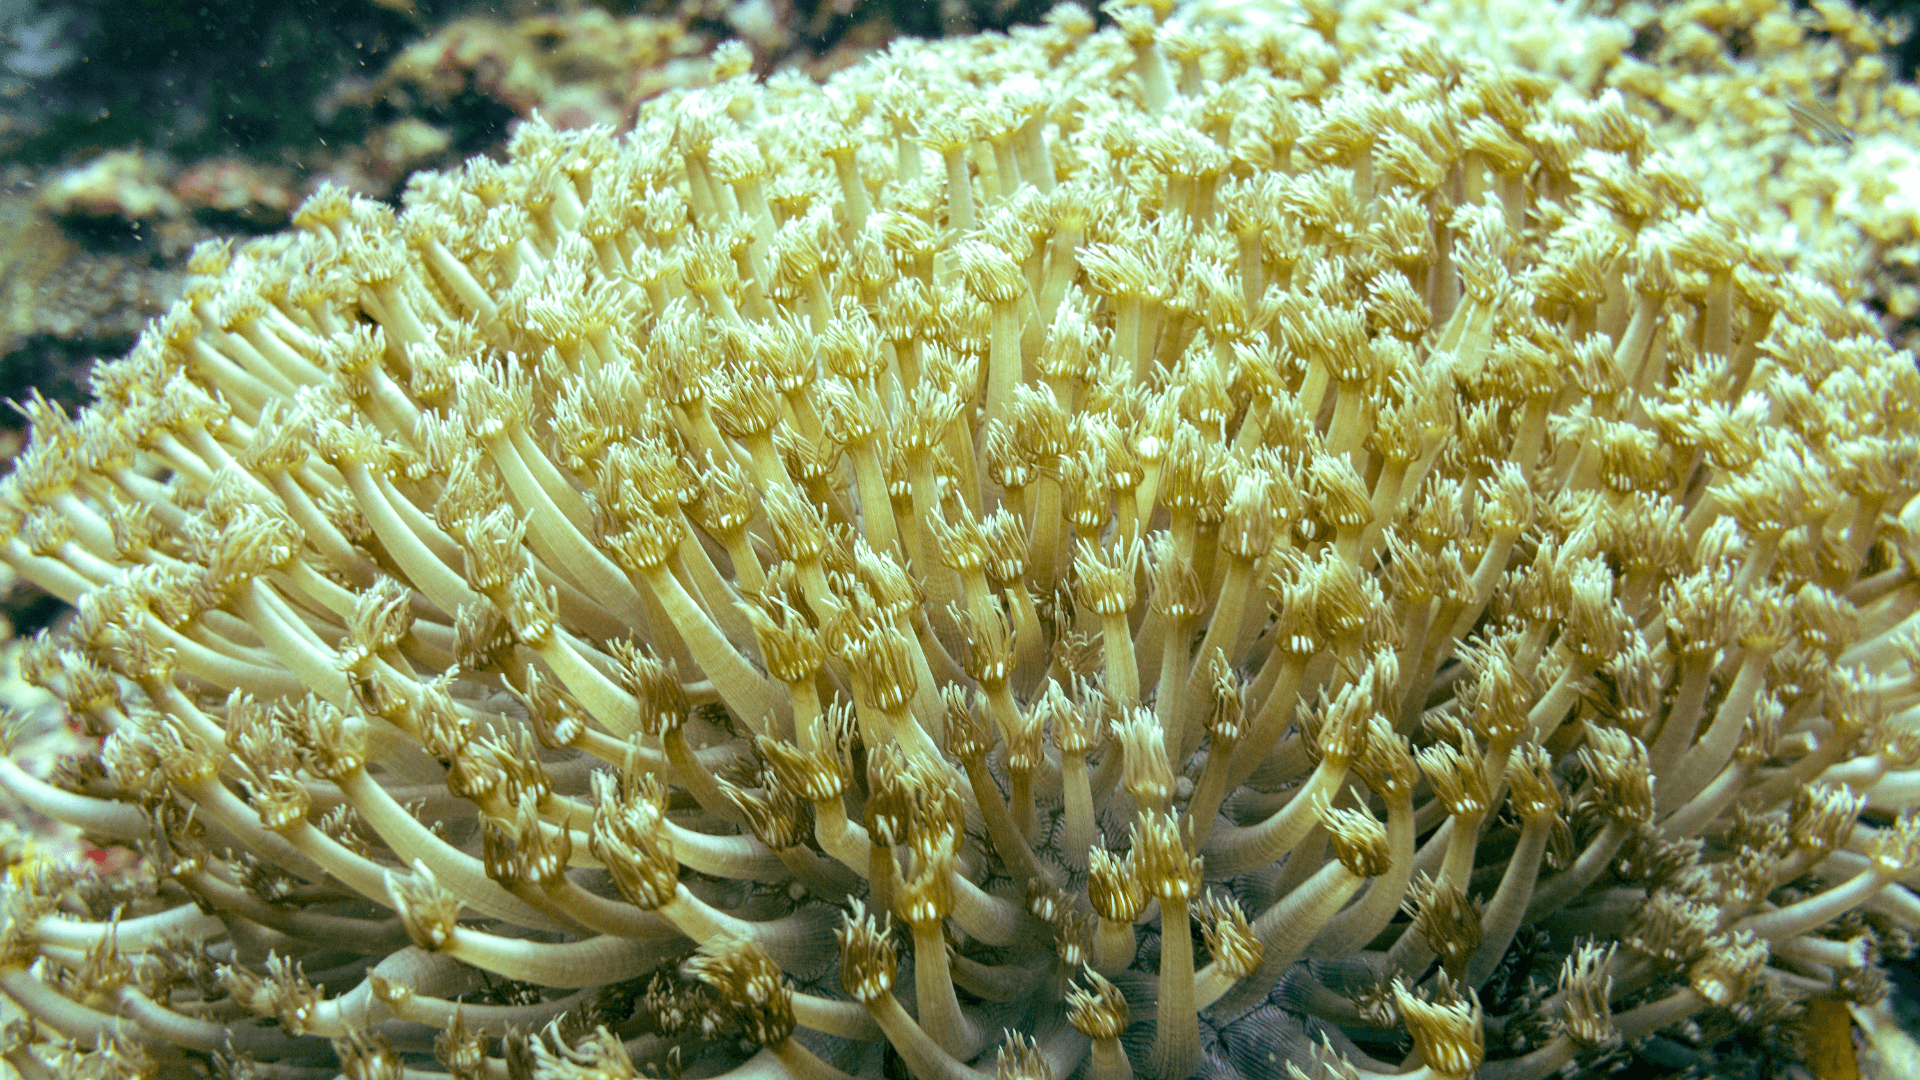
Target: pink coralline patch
point(571, 108)
point(230, 186)
point(109, 861)
point(577, 70)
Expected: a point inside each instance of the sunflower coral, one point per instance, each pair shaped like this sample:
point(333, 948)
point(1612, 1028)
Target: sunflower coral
point(1029, 556)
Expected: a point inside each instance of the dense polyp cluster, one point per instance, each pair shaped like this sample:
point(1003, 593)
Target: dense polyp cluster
point(1165, 551)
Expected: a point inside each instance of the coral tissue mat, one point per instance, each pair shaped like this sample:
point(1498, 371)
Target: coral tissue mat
point(1169, 551)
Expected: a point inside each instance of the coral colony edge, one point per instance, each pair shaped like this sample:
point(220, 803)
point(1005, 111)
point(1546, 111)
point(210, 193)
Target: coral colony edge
point(1169, 551)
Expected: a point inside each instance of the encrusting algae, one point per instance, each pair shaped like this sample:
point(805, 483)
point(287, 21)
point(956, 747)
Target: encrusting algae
point(1029, 557)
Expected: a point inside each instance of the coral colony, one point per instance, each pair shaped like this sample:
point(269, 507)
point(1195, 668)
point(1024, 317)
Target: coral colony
point(1168, 551)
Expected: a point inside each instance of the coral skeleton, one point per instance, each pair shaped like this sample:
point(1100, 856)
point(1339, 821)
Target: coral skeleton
point(1170, 550)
